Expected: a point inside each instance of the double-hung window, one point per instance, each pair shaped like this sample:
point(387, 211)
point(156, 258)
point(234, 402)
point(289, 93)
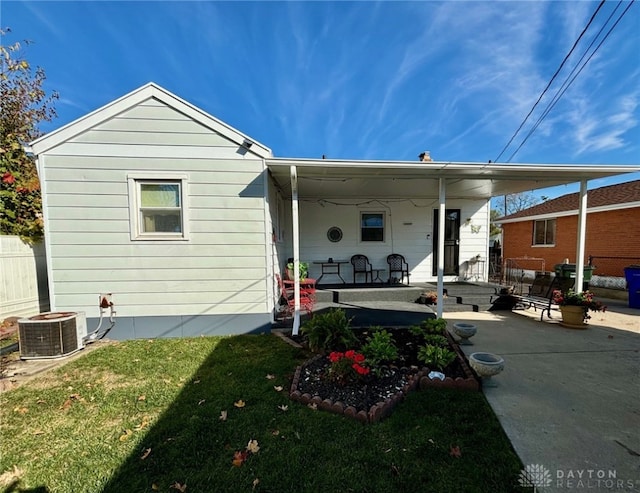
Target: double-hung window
point(157, 207)
point(544, 232)
point(372, 226)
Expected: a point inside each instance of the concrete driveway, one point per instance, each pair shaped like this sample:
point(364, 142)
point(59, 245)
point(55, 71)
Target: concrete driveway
point(568, 399)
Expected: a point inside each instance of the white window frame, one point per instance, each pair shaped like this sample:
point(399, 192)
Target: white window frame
point(133, 182)
point(546, 226)
point(384, 227)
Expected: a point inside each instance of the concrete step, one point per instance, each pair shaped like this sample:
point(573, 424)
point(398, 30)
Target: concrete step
point(375, 293)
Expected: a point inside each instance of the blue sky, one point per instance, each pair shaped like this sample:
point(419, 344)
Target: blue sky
point(358, 80)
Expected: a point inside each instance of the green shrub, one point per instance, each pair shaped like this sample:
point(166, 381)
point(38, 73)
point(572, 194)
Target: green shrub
point(329, 331)
point(434, 325)
point(436, 357)
point(379, 349)
point(436, 340)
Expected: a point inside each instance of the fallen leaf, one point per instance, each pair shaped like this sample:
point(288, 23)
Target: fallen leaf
point(270, 376)
point(455, 452)
point(275, 433)
point(253, 447)
point(155, 487)
point(201, 401)
point(40, 401)
point(313, 405)
point(125, 436)
point(143, 424)
point(283, 408)
point(255, 483)
point(142, 397)
point(223, 416)
point(239, 403)
point(22, 410)
point(278, 388)
point(66, 404)
point(145, 454)
point(196, 381)
point(180, 487)
point(239, 457)
point(38, 432)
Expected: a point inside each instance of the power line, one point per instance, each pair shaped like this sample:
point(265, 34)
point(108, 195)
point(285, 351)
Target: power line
point(567, 83)
point(584, 30)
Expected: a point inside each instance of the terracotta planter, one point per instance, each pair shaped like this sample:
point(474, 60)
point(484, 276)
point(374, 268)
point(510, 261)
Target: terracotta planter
point(573, 317)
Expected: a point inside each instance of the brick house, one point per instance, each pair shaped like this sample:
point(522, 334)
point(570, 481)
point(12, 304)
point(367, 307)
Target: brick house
point(547, 232)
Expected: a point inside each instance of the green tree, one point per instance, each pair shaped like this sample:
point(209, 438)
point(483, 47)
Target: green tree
point(24, 106)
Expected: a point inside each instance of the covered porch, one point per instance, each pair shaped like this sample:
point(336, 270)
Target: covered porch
point(322, 191)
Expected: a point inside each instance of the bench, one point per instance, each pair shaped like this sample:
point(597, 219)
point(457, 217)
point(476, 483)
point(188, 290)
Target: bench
point(540, 293)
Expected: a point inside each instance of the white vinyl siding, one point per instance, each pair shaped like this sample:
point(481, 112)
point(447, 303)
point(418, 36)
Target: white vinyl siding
point(220, 270)
point(409, 232)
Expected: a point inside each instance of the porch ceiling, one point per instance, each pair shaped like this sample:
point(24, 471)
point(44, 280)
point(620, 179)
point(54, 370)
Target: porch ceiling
point(323, 178)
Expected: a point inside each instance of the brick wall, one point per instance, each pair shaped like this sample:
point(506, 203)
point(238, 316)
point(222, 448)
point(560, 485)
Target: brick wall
point(609, 234)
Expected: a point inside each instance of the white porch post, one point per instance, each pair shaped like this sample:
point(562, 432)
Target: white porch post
point(296, 249)
point(440, 246)
point(582, 233)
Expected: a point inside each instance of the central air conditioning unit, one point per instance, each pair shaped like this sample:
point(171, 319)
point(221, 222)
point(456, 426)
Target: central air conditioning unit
point(51, 334)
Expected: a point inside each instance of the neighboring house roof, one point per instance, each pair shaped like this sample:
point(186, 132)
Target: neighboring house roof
point(612, 197)
point(148, 91)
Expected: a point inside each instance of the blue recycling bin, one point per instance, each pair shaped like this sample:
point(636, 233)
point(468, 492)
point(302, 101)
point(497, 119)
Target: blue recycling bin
point(632, 274)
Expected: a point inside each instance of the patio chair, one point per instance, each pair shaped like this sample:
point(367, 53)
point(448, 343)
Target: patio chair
point(361, 265)
point(397, 264)
point(287, 298)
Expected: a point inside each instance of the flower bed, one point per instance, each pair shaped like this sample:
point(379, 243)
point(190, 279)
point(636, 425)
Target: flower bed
point(372, 396)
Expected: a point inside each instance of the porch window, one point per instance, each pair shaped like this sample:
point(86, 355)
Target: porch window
point(371, 226)
point(544, 232)
point(157, 208)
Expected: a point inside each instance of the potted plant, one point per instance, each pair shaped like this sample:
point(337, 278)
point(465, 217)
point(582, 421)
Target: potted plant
point(575, 306)
point(304, 270)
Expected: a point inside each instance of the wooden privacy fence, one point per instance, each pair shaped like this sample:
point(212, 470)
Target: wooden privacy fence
point(23, 278)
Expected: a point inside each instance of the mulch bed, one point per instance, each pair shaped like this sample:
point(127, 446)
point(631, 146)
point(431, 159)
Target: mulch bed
point(375, 396)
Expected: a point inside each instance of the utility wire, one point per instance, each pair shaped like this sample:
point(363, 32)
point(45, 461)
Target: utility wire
point(567, 83)
point(584, 30)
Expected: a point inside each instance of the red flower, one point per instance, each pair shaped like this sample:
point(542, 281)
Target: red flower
point(335, 356)
point(350, 354)
point(361, 370)
point(8, 178)
point(358, 358)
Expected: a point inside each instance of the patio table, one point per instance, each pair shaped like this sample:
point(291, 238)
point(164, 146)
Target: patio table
point(331, 268)
point(377, 273)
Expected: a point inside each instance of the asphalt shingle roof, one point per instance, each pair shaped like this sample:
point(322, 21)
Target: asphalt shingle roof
point(598, 197)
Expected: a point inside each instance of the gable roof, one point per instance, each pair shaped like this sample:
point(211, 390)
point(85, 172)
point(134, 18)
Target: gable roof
point(620, 196)
point(128, 101)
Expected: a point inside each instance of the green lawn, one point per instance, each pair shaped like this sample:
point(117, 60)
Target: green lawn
point(144, 416)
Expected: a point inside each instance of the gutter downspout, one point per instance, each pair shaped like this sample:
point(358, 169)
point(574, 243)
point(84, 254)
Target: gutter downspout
point(440, 246)
point(296, 249)
point(582, 230)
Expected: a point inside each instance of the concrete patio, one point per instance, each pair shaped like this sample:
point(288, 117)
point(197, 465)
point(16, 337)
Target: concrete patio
point(568, 399)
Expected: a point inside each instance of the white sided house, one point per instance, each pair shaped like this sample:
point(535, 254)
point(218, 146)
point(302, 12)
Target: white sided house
point(186, 220)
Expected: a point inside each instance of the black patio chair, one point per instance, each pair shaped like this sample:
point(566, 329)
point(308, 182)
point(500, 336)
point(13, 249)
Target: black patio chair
point(397, 264)
point(361, 265)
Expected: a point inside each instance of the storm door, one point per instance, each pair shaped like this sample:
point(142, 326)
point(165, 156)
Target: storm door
point(451, 242)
